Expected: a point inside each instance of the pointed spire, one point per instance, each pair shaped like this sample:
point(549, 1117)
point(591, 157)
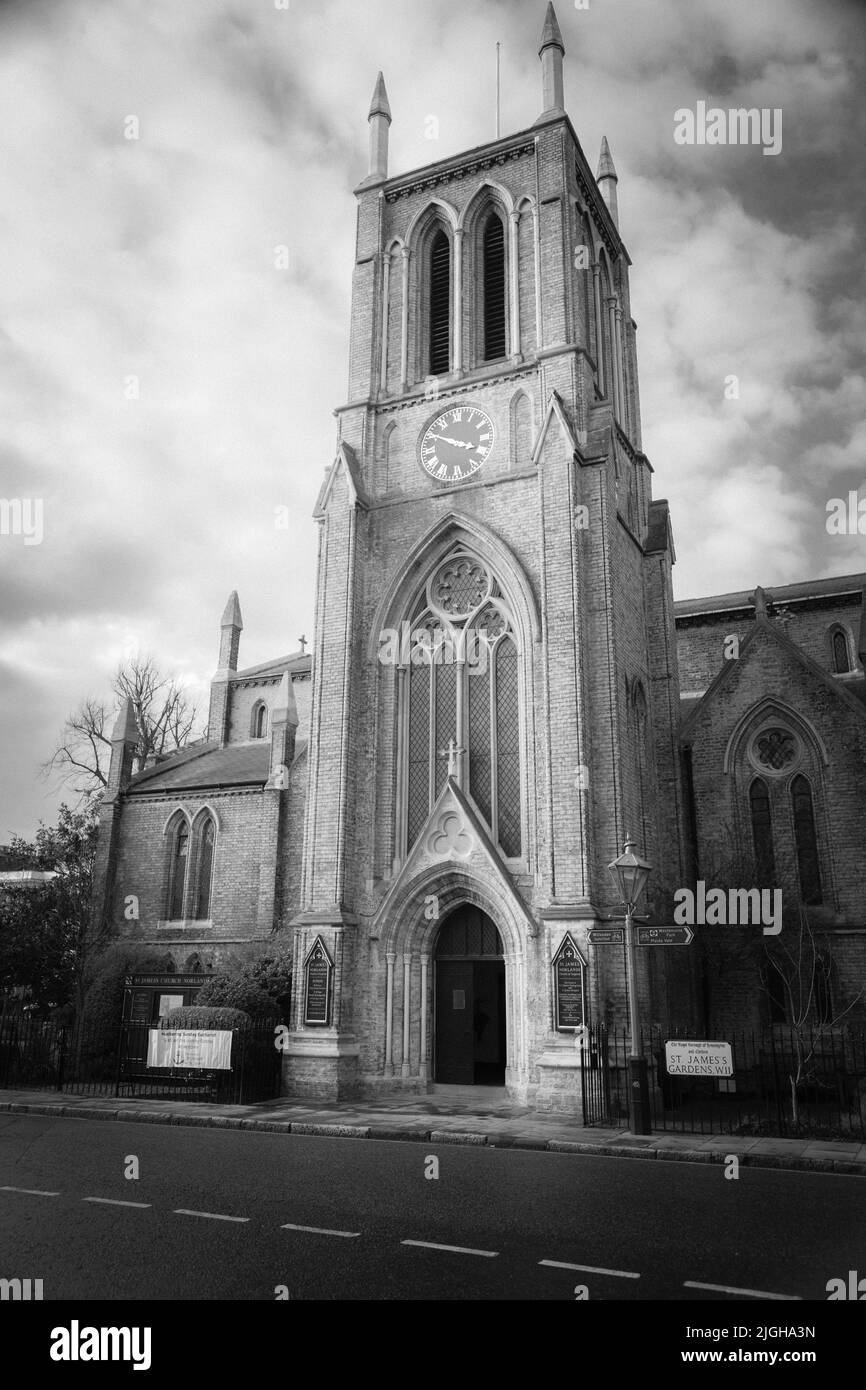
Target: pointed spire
point(551, 53)
point(379, 106)
point(606, 168)
point(231, 627)
point(551, 34)
point(607, 180)
point(379, 119)
point(126, 728)
point(285, 707)
point(232, 613)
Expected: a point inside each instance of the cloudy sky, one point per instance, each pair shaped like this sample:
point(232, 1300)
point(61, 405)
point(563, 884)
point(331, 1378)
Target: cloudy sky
point(165, 387)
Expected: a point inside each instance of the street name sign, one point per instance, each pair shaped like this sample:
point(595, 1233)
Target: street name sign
point(607, 936)
point(698, 1058)
point(664, 936)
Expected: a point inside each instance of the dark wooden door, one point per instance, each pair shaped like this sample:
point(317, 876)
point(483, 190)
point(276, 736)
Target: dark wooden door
point(455, 1041)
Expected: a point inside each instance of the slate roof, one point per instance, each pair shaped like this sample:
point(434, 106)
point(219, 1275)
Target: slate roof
point(777, 594)
point(294, 662)
point(208, 765)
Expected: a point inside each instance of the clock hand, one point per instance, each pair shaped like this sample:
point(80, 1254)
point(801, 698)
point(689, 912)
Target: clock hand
point(458, 443)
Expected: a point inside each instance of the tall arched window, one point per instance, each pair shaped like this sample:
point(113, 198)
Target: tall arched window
point(494, 288)
point(440, 305)
point(762, 831)
point(806, 840)
point(773, 983)
point(462, 703)
point(259, 720)
point(206, 834)
point(822, 992)
point(177, 871)
point(841, 661)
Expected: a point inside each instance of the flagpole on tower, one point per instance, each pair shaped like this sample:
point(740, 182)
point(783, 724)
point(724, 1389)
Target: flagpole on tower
point(497, 91)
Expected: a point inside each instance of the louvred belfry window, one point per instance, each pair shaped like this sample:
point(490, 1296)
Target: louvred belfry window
point(494, 289)
point(440, 305)
point(463, 690)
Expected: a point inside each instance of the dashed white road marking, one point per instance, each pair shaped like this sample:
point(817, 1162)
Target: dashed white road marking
point(591, 1269)
point(210, 1215)
point(30, 1191)
point(320, 1231)
point(452, 1249)
point(115, 1202)
point(749, 1293)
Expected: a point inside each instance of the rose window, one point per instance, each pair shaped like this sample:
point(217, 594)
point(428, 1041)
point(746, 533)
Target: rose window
point(775, 749)
point(460, 585)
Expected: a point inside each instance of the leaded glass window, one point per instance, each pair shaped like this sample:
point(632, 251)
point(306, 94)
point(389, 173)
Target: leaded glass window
point(762, 830)
point(204, 868)
point(177, 874)
point(461, 701)
point(806, 840)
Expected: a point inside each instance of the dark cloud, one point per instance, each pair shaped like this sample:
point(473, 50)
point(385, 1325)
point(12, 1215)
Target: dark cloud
point(147, 266)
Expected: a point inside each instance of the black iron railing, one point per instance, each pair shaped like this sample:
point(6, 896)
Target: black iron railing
point(785, 1081)
point(84, 1060)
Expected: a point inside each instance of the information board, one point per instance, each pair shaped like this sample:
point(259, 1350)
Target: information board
point(568, 975)
point(318, 971)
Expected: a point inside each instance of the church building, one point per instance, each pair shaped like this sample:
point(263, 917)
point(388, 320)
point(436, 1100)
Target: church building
point(501, 689)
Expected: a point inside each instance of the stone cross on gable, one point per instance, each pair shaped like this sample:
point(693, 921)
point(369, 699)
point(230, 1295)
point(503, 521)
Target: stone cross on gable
point(452, 753)
point(303, 642)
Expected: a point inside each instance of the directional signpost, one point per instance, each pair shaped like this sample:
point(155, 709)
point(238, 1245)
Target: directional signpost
point(607, 936)
point(664, 936)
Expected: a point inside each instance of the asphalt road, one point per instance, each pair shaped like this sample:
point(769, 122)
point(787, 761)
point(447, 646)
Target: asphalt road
point(227, 1215)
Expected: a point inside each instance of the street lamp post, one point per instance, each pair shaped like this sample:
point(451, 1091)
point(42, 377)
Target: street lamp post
point(631, 874)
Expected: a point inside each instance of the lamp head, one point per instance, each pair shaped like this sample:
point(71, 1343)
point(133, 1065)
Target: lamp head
point(630, 873)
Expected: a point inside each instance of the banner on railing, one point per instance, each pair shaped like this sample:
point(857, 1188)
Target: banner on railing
point(206, 1048)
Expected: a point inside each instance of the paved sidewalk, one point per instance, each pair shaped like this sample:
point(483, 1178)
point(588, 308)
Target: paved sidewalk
point(450, 1118)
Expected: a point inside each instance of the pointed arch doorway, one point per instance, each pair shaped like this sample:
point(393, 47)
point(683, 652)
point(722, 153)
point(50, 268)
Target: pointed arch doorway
point(470, 1019)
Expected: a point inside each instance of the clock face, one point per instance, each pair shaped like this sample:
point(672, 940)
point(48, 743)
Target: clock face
point(456, 443)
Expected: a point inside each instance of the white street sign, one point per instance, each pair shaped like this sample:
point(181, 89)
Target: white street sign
point(698, 1058)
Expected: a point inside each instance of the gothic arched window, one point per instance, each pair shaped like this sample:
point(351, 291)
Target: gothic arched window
point(806, 840)
point(177, 871)
point(841, 661)
point(494, 288)
point(205, 837)
point(440, 305)
point(462, 703)
point(259, 720)
point(762, 830)
point(773, 984)
point(822, 992)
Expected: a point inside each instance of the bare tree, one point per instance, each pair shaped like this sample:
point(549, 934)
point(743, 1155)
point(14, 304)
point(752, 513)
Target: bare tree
point(796, 970)
point(166, 717)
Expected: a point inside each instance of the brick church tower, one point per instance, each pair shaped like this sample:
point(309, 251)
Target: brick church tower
point(495, 691)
